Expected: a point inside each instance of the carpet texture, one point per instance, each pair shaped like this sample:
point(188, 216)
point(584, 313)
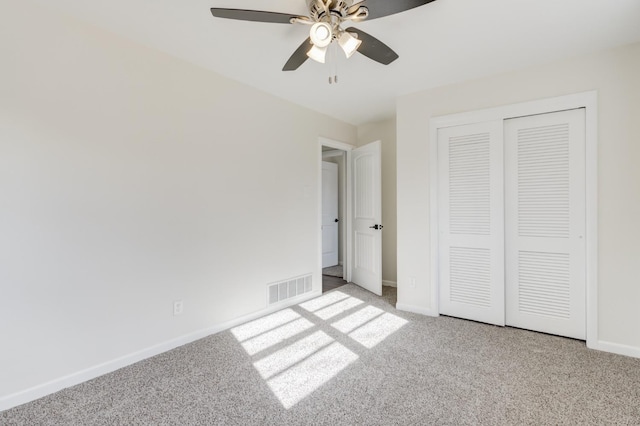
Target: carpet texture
point(333, 271)
point(349, 358)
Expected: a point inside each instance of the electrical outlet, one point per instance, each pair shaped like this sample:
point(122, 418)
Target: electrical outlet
point(178, 307)
point(412, 282)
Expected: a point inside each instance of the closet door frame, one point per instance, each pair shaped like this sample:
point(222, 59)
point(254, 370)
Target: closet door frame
point(586, 100)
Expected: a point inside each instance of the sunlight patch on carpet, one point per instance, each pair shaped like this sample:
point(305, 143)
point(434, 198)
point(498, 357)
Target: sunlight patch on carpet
point(299, 381)
point(357, 319)
point(292, 354)
point(374, 332)
point(275, 336)
point(338, 308)
point(323, 301)
point(295, 360)
point(264, 324)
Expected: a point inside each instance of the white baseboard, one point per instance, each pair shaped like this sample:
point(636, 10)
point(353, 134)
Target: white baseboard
point(416, 309)
point(389, 283)
point(600, 345)
point(616, 348)
point(44, 389)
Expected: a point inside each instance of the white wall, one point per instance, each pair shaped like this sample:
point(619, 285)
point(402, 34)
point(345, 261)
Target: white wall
point(614, 74)
point(130, 179)
point(385, 131)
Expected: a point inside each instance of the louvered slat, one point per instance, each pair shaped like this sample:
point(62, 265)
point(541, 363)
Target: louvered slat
point(543, 181)
point(544, 284)
point(470, 275)
point(469, 184)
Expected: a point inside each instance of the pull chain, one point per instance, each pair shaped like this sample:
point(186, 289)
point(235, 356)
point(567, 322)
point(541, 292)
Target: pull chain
point(333, 64)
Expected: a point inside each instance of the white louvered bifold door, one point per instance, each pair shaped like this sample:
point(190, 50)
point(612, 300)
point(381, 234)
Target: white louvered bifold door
point(545, 223)
point(471, 222)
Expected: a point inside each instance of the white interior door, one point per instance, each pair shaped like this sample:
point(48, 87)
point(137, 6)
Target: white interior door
point(367, 217)
point(471, 222)
point(329, 214)
point(545, 223)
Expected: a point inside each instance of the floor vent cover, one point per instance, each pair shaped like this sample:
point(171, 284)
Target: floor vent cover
point(283, 290)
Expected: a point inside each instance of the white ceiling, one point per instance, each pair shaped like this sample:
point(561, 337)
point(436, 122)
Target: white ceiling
point(444, 42)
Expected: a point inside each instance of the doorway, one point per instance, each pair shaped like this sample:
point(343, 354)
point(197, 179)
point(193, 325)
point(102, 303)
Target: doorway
point(359, 214)
point(333, 207)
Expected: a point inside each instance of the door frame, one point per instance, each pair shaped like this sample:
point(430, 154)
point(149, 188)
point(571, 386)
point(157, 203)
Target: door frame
point(586, 100)
point(346, 187)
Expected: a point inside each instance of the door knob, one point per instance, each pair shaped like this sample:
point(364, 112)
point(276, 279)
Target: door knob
point(336, 220)
point(376, 226)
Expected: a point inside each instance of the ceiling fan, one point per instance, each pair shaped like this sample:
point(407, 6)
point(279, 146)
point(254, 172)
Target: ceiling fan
point(326, 18)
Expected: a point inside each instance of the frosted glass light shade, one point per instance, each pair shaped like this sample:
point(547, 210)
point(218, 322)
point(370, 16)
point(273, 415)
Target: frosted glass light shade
point(317, 53)
point(349, 44)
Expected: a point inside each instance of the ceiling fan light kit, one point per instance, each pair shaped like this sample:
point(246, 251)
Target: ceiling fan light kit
point(326, 18)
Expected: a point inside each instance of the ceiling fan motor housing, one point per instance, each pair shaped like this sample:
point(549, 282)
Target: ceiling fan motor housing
point(337, 10)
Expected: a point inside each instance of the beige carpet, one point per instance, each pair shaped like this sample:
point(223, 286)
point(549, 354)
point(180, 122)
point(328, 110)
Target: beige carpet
point(349, 358)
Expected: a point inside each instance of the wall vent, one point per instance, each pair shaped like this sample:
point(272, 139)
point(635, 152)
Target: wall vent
point(283, 290)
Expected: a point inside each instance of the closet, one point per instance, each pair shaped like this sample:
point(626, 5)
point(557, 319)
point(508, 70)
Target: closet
point(511, 222)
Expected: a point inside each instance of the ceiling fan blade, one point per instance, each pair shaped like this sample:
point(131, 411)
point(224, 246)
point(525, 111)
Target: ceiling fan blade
point(380, 8)
point(254, 15)
point(373, 48)
point(298, 57)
